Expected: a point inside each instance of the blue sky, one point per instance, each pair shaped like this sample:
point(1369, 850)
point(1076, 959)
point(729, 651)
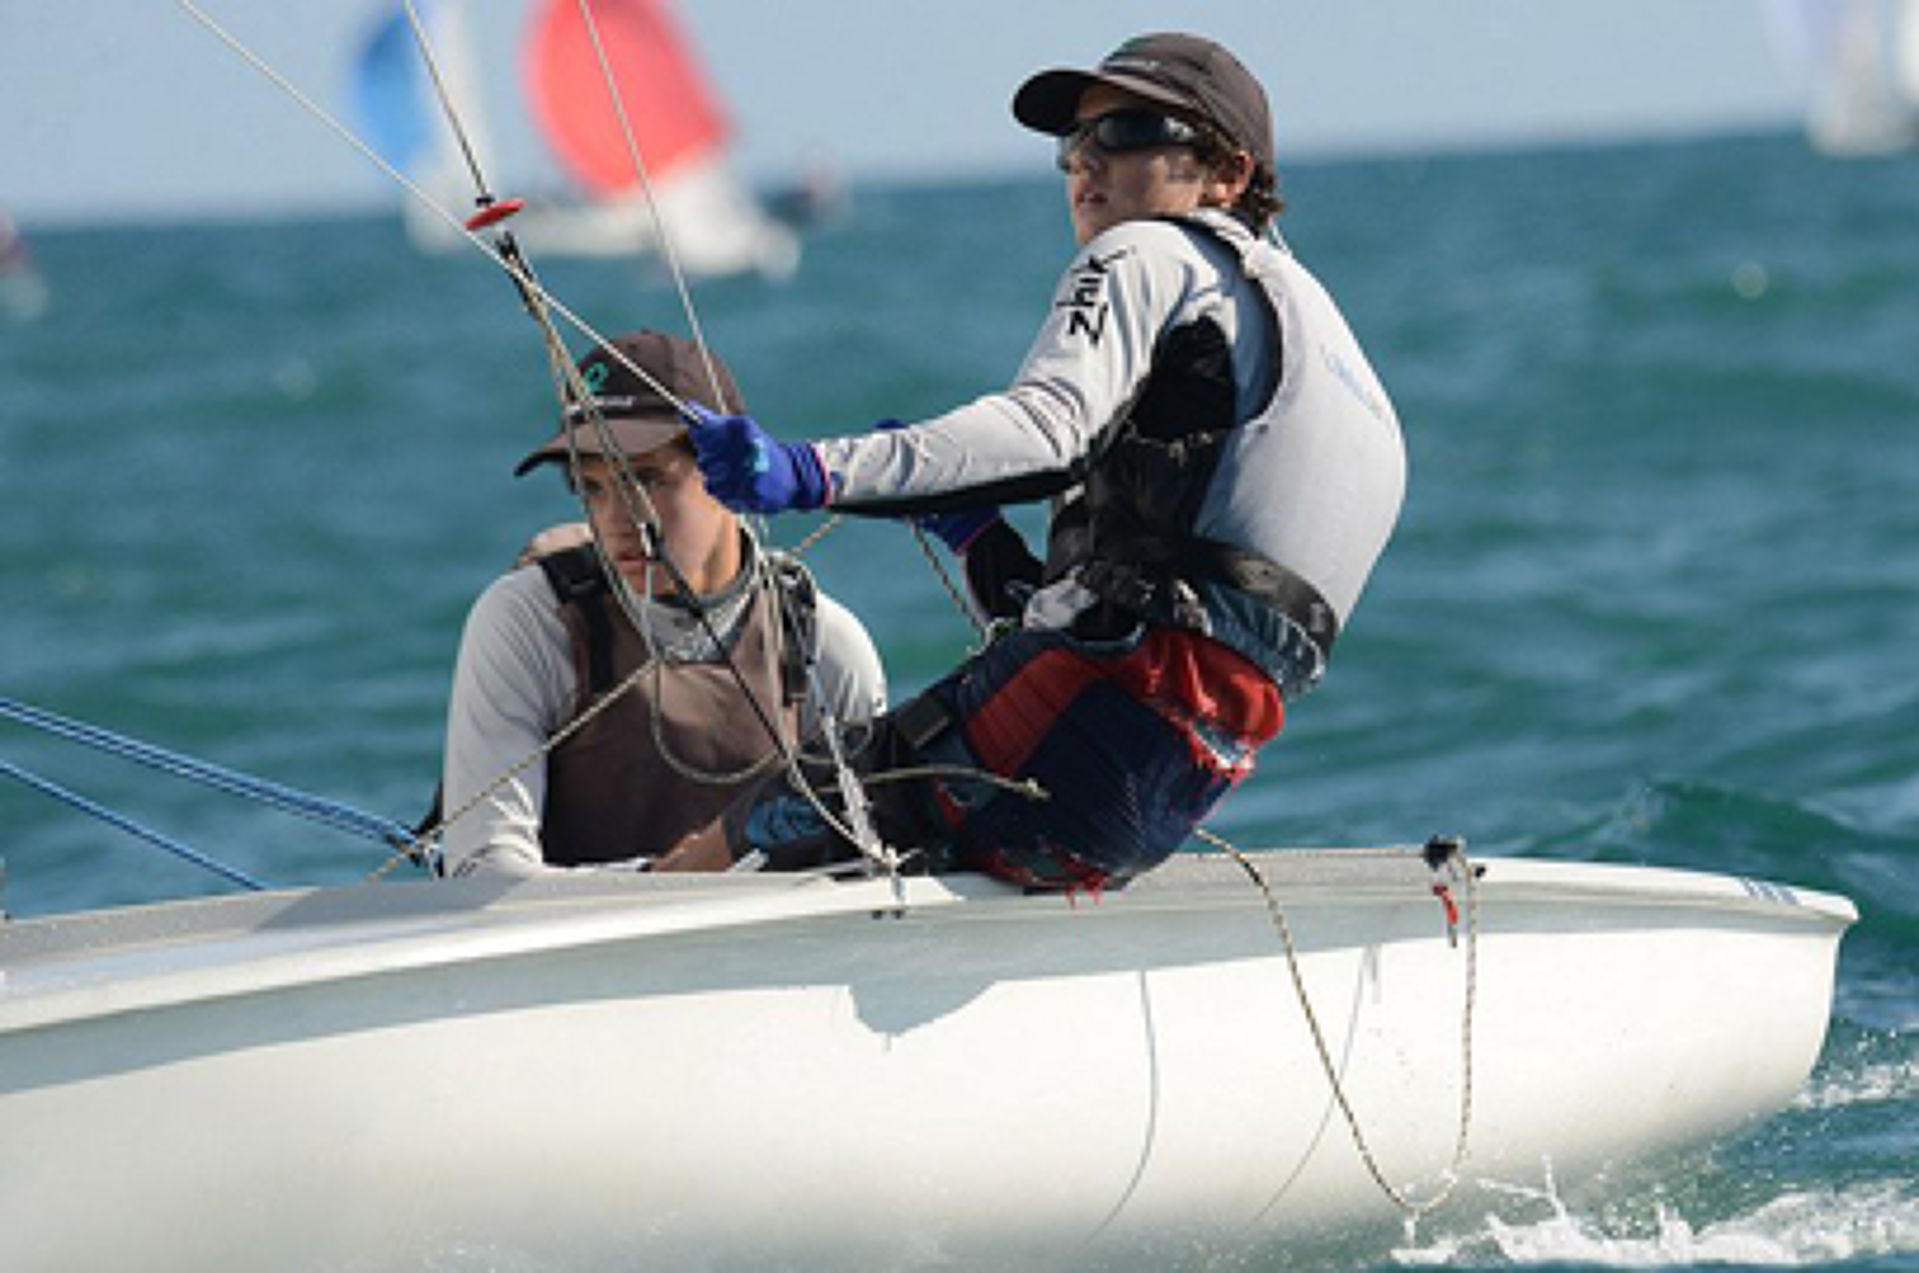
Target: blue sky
point(123, 108)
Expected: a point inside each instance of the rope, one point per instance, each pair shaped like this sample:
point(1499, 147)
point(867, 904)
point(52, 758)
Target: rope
point(314, 808)
point(427, 840)
point(1030, 788)
point(980, 627)
point(76, 800)
point(784, 751)
point(1455, 858)
point(818, 533)
point(440, 91)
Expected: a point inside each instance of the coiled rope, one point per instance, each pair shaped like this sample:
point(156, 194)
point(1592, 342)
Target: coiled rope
point(1438, 854)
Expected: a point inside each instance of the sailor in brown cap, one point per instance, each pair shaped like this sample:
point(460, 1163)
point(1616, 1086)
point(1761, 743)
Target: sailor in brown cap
point(549, 644)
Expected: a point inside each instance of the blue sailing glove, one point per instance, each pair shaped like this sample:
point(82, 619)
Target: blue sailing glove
point(749, 470)
point(957, 529)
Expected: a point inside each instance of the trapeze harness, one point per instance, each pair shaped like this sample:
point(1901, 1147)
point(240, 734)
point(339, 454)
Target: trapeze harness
point(676, 748)
point(1269, 555)
point(1151, 535)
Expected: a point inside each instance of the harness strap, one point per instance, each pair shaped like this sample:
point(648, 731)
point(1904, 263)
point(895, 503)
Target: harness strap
point(577, 579)
point(1150, 579)
point(1267, 581)
point(922, 719)
point(799, 622)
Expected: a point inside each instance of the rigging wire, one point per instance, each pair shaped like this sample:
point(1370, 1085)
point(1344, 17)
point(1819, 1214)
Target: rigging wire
point(610, 78)
point(667, 247)
point(446, 100)
point(460, 226)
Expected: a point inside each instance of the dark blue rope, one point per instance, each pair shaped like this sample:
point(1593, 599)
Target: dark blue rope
point(128, 825)
point(315, 808)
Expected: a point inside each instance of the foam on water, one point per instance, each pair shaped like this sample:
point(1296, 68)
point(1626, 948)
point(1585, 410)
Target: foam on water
point(1828, 1182)
point(1871, 1081)
point(1797, 1228)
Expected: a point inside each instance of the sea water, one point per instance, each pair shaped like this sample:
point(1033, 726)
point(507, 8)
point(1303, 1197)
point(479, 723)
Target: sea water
point(1655, 597)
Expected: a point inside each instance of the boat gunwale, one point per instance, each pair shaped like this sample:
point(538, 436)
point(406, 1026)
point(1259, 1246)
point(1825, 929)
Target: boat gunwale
point(90, 965)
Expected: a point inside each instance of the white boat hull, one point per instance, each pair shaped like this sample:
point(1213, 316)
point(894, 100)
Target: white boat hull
point(773, 1072)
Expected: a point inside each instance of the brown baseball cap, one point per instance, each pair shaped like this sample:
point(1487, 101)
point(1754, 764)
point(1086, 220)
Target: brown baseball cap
point(1190, 74)
point(638, 416)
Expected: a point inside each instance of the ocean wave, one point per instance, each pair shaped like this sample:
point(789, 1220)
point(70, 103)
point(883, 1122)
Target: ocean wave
point(1721, 827)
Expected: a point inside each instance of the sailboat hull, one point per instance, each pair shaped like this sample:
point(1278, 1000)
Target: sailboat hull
point(779, 1073)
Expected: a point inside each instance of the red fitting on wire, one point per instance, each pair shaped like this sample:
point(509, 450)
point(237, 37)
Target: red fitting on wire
point(1445, 896)
point(494, 213)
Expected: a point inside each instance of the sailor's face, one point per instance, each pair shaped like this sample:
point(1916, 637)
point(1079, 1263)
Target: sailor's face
point(1104, 189)
point(699, 533)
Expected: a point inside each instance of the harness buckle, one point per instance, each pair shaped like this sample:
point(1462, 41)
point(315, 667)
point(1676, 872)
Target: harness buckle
point(1122, 585)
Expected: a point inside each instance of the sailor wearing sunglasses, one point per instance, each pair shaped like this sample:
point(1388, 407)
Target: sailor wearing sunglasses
point(1223, 467)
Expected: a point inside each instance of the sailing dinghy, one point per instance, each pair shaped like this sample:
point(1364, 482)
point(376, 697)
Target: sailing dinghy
point(759, 1071)
point(677, 125)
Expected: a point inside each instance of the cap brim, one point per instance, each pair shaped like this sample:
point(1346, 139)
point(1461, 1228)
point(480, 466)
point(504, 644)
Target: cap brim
point(632, 435)
point(1049, 102)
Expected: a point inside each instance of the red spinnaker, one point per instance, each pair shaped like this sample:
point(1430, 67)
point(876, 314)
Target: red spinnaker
point(668, 103)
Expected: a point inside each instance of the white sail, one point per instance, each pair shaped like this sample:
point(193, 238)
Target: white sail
point(1906, 54)
point(1859, 61)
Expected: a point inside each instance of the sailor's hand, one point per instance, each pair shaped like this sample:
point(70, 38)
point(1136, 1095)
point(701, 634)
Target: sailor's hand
point(702, 850)
point(956, 529)
point(749, 470)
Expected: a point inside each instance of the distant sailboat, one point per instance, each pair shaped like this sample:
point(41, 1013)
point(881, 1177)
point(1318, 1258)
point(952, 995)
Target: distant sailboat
point(715, 226)
point(23, 293)
point(1860, 60)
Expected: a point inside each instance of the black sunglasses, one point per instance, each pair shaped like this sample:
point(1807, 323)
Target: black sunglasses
point(1120, 131)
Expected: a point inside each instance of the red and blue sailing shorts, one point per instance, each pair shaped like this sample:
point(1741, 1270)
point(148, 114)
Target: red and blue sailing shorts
point(1132, 743)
